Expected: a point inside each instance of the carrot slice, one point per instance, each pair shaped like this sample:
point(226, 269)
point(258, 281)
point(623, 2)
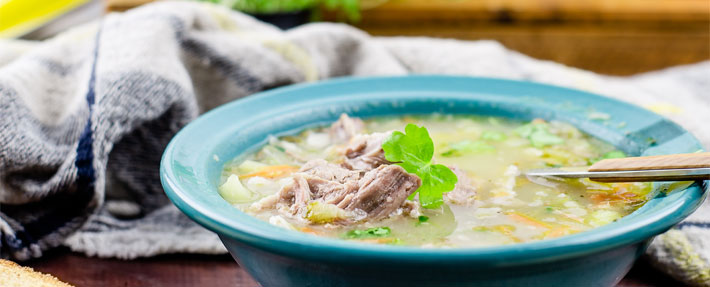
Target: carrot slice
point(272, 171)
point(557, 232)
point(378, 240)
point(527, 220)
point(311, 231)
point(572, 217)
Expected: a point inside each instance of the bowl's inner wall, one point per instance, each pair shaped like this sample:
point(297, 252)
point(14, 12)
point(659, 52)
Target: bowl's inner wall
point(633, 135)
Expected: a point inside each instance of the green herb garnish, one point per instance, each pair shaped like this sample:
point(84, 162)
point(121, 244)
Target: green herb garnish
point(611, 154)
point(422, 220)
point(651, 141)
point(493, 136)
point(414, 150)
point(614, 154)
point(466, 146)
point(538, 134)
point(368, 233)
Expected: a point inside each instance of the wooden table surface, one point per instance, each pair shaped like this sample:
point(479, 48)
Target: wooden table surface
point(210, 271)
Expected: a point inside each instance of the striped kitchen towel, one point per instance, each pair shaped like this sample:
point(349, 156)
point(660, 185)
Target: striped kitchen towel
point(85, 117)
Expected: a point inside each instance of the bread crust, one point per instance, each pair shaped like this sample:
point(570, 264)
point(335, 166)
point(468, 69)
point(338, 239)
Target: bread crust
point(14, 275)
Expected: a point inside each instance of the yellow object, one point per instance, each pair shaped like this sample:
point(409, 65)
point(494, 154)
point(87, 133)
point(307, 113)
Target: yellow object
point(507, 230)
point(319, 212)
point(13, 275)
point(18, 17)
point(664, 108)
point(234, 192)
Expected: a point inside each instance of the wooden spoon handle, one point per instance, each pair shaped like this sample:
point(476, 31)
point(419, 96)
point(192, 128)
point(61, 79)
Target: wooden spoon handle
point(673, 161)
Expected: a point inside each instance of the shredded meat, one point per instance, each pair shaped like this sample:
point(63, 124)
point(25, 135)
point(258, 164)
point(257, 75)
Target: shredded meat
point(365, 185)
point(465, 190)
point(295, 196)
point(345, 129)
point(364, 152)
point(382, 191)
point(411, 208)
point(328, 171)
point(378, 193)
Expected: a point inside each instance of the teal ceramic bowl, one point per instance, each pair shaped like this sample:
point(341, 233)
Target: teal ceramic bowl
point(192, 163)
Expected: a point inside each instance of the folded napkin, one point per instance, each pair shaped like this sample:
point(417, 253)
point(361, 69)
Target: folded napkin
point(86, 115)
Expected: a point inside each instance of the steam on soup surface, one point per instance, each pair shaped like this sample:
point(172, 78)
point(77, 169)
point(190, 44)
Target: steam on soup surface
point(337, 182)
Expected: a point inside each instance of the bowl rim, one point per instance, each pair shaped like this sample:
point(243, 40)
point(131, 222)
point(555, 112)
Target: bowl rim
point(250, 231)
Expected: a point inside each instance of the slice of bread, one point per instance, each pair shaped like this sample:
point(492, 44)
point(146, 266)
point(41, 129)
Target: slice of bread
point(14, 275)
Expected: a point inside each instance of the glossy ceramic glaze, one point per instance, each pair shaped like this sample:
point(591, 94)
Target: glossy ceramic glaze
point(193, 161)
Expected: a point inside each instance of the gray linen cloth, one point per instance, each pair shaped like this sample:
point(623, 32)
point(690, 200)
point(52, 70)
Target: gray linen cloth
point(85, 117)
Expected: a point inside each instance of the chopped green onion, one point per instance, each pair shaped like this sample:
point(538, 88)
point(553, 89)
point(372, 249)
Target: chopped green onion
point(368, 233)
point(493, 136)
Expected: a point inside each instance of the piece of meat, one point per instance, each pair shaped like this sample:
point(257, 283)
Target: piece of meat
point(330, 191)
point(381, 191)
point(345, 129)
point(265, 203)
point(364, 152)
point(317, 179)
point(328, 171)
point(375, 195)
point(295, 196)
point(464, 192)
point(410, 208)
point(329, 181)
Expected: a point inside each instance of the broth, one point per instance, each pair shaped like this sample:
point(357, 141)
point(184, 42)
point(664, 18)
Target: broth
point(488, 155)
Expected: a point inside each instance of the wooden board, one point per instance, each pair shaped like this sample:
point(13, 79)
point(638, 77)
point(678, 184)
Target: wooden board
point(593, 10)
point(205, 270)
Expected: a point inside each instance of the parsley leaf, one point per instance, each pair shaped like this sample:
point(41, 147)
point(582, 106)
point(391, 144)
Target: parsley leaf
point(413, 151)
point(369, 233)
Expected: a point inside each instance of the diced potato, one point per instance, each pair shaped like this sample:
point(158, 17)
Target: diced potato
point(280, 222)
point(483, 212)
point(249, 166)
point(318, 140)
point(319, 212)
point(234, 192)
point(602, 217)
point(263, 185)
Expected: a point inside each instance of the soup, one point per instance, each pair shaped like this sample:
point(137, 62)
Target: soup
point(429, 181)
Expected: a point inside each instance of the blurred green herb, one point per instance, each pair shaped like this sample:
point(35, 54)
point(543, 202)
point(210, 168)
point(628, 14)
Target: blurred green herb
point(609, 155)
point(614, 154)
point(493, 136)
point(347, 9)
point(466, 146)
point(538, 134)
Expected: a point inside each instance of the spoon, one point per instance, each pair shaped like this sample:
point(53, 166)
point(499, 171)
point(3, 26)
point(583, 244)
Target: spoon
point(675, 167)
